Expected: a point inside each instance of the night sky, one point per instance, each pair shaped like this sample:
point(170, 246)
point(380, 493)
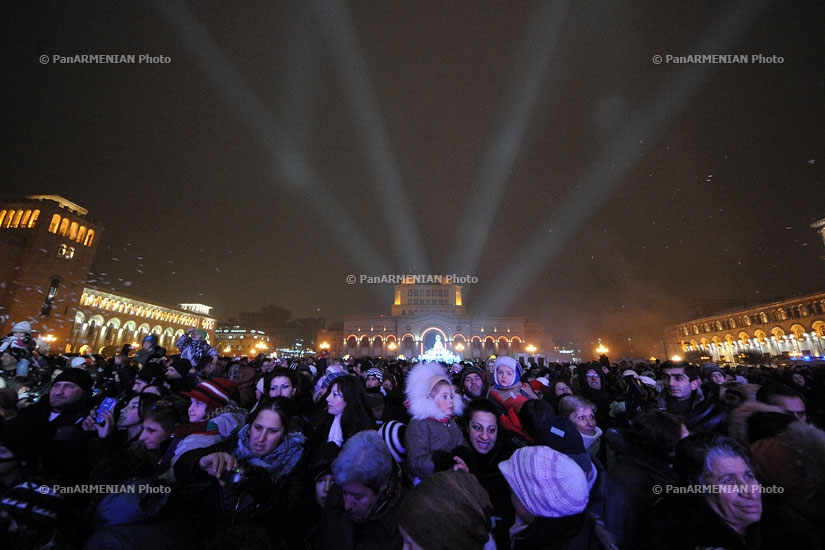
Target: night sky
point(535, 146)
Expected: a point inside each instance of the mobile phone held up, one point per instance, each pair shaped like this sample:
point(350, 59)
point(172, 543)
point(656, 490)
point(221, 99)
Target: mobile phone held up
point(107, 405)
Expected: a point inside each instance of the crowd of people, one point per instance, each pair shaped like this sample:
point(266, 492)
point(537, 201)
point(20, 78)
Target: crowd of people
point(156, 448)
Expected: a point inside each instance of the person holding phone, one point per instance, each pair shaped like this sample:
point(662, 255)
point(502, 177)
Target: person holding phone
point(48, 435)
point(122, 424)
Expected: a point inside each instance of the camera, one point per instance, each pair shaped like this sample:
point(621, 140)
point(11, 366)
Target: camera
point(235, 476)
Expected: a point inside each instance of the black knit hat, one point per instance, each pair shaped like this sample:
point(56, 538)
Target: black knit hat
point(77, 376)
point(152, 374)
point(321, 460)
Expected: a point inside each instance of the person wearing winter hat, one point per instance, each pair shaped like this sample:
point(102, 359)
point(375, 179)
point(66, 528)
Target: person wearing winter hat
point(333, 371)
point(583, 415)
point(208, 396)
point(447, 511)
point(148, 348)
point(49, 433)
point(193, 346)
point(18, 345)
point(472, 384)
point(433, 434)
point(320, 470)
point(713, 373)
point(373, 378)
point(178, 375)
point(549, 493)
point(151, 375)
point(508, 389)
point(558, 433)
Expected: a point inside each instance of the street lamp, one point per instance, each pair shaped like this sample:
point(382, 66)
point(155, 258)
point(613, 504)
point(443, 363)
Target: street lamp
point(601, 350)
point(392, 347)
point(531, 349)
point(48, 339)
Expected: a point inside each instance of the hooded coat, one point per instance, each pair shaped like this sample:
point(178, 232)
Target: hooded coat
point(786, 453)
point(431, 434)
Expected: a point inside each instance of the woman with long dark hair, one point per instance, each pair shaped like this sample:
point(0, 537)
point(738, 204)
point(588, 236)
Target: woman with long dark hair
point(256, 479)
point(489, 445)
point(346, 412)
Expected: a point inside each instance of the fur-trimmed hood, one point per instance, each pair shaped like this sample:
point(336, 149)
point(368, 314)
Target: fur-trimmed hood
point(787, 452)
point(742, 417)
point(421, 380)
point(808, 444)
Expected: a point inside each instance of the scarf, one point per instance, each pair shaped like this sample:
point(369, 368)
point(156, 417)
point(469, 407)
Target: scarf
point(336, 434)
point(280, 462)
point(593, 442)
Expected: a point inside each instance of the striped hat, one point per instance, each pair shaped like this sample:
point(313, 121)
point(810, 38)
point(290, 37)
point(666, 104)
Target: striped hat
point(393, 433)
point(376, 373)
point(217, 392)
point(548, 483)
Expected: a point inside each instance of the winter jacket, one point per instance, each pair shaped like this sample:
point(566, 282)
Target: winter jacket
point(700, 415)
point(577, 532)
point(638, 470)
point(685, 522)
point(194, 351)
point(337, 531)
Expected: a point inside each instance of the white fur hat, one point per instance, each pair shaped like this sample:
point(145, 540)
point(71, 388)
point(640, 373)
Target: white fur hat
point(421, 380)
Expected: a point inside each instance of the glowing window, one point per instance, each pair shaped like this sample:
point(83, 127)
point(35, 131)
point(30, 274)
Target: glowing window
point(54, 224)
point(64, 227)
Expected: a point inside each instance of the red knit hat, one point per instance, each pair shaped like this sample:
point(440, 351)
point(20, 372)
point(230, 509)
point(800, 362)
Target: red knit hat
point(217, 392)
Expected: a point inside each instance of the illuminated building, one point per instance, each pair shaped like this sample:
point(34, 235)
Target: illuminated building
point(421, 313)
point(792, 328)
point(49, 244)
point(238, 341)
